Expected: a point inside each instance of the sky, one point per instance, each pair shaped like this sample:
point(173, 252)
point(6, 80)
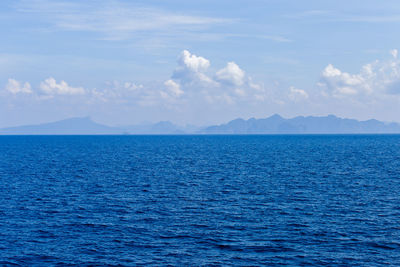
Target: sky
point(197, 62)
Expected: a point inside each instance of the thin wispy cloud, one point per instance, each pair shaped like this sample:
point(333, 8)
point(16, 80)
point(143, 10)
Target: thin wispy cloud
point(370, 19)
point(117, 21)
point(114, 20)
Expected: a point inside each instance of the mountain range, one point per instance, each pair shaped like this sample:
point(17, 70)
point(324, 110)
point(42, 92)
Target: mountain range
point(303, 125)
point(271, 125)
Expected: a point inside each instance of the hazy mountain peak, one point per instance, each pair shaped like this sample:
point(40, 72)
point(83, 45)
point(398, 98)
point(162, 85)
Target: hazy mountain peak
point(76, 125)
point(276, 116)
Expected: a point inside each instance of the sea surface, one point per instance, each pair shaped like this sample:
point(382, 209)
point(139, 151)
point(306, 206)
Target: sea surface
point(200, 200)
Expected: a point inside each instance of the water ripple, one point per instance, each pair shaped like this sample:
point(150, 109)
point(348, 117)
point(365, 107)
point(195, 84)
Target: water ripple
point(199, 200)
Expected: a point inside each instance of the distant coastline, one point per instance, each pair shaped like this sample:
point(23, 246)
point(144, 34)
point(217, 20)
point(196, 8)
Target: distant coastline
point(271, 125)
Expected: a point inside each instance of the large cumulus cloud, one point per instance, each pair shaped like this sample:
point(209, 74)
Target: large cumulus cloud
point(194, 77)
point(377, 78)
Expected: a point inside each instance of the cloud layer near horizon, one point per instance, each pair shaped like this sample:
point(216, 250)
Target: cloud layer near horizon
point(195, 85)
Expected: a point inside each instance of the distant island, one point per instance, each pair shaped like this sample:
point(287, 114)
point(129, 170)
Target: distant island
point(271, 125)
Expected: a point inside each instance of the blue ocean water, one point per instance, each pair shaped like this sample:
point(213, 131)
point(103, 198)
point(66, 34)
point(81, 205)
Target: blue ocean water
point(200, 200)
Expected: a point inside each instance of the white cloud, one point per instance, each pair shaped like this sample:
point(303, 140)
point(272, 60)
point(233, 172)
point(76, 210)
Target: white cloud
point(394, 53)
point(192, 69)
point(231, 74)
point(173, 88)
point(228, 84)
point(15, 87)
point(193, 62)
point(192, 81)
point(377, 78)
point(51, 87)
point(128, 94)
point(132, 86)
point(296, 94)
point(341, 83)
point(119, 91)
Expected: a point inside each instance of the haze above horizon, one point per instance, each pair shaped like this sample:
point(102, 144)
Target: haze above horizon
point(205, 63)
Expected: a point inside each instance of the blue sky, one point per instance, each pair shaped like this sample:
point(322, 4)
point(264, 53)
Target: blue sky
point(198, 62)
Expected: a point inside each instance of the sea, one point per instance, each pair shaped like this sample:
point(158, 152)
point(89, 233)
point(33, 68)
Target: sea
point(226, 200)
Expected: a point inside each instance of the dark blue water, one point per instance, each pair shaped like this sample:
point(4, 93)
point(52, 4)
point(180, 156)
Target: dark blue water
point(200, 200)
